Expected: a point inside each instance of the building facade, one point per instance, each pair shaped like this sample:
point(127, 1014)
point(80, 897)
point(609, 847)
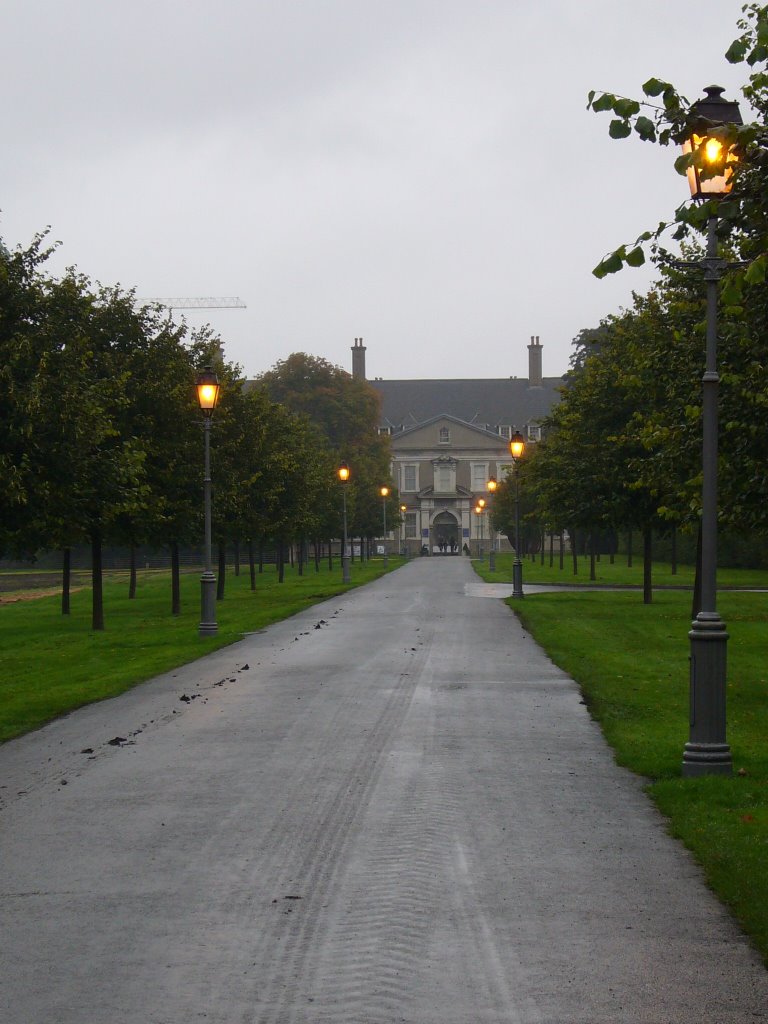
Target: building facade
point(448, 438)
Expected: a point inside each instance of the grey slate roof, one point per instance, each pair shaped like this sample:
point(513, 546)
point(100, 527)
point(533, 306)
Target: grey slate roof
point(491, 402)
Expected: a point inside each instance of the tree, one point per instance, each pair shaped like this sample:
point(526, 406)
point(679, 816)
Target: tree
point(21, 292)
point(670, 121)
point(345, 414)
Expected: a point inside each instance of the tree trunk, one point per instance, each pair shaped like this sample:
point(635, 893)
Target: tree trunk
point(97, 583)
point(574, 552)
point(592, 574)
point(330, 555)
point(237, 556)
point(612, 540)
point(629, 549)
point(674, 551)
point(300, 553)
point(251, 563)
point(696, 603)
point(551, 549)
point(175, 580)
point(317, 555)
point(66, 580)
point(562, 550)
point(280, 562)
point(222, 546)
point(647, 565)
point(132, 578)
point(261, 555)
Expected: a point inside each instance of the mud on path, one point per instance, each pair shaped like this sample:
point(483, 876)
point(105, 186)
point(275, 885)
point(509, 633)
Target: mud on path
point(26, 586)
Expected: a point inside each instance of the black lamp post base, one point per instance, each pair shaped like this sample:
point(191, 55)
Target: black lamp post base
point(345, 575)
point(492, 560)
point(208, 625)
point(707, 759)
point(707, 752)
point(517, 578)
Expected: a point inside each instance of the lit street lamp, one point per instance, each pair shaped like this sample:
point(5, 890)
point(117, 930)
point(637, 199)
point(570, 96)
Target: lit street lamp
point(207, 385)
point(707, 752)
point(403, 510)
point(491, 488)
point(384, 492)
point(479, 509)
point(516, 449)
point(343, 474)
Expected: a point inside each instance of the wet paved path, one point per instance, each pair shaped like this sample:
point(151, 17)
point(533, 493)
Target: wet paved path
point(405, 815)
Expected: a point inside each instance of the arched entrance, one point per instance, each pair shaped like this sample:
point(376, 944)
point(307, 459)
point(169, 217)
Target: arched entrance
point(444, 534)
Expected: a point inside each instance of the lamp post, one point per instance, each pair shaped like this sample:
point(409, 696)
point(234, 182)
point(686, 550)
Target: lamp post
point(707, 752)
point(403, 510)
point(491, 488)
point(516, 449)
point(207, 385)
point(384, 492)
point(343, 474)
point(480, 510)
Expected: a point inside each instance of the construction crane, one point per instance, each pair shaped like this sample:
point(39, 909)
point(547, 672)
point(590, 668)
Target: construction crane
point(228, 302)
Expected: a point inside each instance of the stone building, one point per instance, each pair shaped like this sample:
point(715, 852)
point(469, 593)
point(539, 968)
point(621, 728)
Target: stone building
point(448, 438)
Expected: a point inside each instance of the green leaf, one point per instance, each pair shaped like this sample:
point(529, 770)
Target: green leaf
point(654, 87)
point(604, 102)
point(619, 129)
point(731, 294)
point(610, 265)
point(590, 96)
point(636, 257)
point(671, 99)
point(757, 270)
point(646, 129)
point(736, 52)
point(682, 163)
point(626, 108)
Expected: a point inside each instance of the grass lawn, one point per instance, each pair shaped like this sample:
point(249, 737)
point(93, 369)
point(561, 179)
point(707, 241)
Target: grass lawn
point(53, 664)
point(631, 662)
point(617, 575)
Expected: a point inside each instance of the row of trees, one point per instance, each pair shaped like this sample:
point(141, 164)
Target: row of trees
point(623, 447)
point(101, 438)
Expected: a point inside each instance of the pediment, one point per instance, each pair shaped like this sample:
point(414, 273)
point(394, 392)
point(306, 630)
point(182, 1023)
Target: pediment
point(444, 433)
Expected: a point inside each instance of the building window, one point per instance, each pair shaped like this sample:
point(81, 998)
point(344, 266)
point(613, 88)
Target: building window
point(505, 431)
point(385, 430)
point(445, 479)
point(445, 435)
point(505, 469)
point(479, 476)
point(534, 432)
point(410, 477)
point(410, 525)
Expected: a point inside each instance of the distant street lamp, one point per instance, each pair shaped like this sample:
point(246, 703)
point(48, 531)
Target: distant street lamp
point(403, 510)
point(491, 488)
point(207, 385)
point(384, 492)
point(479, 509)
point(709, 177)
point(516, 449)
point(343, 474)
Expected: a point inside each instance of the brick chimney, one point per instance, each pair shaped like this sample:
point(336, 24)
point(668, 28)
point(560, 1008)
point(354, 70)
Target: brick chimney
point(358, 359)
point(535, 379)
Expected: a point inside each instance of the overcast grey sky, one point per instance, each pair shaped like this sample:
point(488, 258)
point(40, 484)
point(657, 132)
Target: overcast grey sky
point(421, 173)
